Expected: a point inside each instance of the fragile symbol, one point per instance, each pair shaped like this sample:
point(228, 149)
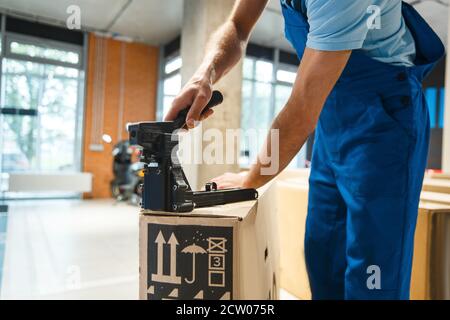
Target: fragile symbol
point(188, 262)
point(193, 249)
point(160, 276)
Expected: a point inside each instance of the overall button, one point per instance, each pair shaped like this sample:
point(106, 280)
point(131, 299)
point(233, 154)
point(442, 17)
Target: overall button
point(402, 76)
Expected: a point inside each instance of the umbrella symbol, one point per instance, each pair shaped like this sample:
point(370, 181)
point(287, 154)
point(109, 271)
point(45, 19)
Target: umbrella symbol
point(193, 249)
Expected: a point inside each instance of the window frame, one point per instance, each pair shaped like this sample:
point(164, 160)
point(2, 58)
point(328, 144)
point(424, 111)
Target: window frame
point(40, 42)
point(287, 68)
point(164, 60)
point(300, 159)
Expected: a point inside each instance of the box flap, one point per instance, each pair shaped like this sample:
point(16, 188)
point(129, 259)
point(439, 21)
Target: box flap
point(436, 185)
point(296, 183)
point(435, 207)
point(436, 197)
point(238, 210)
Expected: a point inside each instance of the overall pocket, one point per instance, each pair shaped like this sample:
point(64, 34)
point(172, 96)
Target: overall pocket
point(401, 110)
point(377, 156)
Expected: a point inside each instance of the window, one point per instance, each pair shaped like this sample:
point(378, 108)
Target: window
point(45, 53)
point(173, 65)
point(286, 76)
point(171, 84)
point(44, 139)
point(266, 87)
point(40, 106)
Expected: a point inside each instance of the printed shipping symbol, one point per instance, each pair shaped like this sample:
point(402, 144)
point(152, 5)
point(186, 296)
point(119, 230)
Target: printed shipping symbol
point(193, 249)
point(160, 276)
point(216, 251)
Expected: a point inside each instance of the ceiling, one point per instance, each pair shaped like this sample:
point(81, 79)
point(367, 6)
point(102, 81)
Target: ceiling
point(151, 21)
point(158, 21)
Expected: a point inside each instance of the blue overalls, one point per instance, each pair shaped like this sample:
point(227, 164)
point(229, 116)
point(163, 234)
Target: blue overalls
point(368, 164)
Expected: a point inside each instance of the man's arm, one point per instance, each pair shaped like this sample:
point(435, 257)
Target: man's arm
point(224, 50)
point(316, 77)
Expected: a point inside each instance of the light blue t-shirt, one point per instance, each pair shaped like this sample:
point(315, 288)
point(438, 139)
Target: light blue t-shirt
point(375, 26)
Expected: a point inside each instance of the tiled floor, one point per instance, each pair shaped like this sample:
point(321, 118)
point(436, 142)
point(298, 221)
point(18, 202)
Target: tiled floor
point(63, 249)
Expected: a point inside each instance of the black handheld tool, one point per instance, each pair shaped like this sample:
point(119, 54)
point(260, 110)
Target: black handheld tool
point(166, 187)
point(180, 121)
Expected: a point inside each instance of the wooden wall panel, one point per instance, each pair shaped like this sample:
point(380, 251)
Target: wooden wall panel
point(140, 78)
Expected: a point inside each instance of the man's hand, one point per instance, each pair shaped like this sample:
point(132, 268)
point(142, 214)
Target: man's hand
point(231, 180)
point(195, 94)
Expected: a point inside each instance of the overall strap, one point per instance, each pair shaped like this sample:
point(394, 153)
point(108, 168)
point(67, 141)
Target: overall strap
point(297, 5)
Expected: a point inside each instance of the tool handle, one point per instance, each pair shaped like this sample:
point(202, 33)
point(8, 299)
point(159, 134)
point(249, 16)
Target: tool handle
point(216, 99)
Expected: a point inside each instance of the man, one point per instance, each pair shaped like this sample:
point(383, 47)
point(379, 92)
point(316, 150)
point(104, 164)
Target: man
point(359, 87)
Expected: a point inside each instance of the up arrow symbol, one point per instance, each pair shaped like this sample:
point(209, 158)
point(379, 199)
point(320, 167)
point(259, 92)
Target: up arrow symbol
point(160, 238)
point(173, 254)
point(160, 241)
point(160, 276)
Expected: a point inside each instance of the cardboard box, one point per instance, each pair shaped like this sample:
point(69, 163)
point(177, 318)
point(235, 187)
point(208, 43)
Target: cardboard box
point(223, 252)
point(435, 175)
point(436, 185)
point(294, 174)
point(431, 263)
point(435, 197)
point(292, 198)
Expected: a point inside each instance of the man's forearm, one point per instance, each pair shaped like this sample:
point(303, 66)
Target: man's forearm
point(224, 50)
point(293, 131)
point(317, 75)
point(227, 45)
